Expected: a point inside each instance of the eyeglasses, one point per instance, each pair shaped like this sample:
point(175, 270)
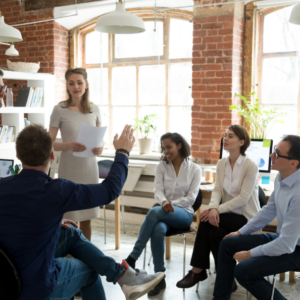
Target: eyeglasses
point(287, 157)
point(3, 87)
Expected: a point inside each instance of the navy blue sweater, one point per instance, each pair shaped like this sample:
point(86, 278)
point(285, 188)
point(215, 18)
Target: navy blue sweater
point(31, 209)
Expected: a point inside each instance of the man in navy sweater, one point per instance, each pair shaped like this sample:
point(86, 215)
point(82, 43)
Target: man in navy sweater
point(31, 210)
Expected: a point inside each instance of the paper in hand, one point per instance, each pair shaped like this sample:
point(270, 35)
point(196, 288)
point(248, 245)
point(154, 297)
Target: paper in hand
point(91, 137)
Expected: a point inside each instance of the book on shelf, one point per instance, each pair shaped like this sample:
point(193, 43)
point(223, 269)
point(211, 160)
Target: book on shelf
point(30, 97)
point(7, 134)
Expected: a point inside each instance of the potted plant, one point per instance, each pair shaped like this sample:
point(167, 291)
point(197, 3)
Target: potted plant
point(145, 126)
point(259, 121)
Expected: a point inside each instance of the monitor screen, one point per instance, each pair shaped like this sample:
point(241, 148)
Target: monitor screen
point(259, 151)
point(4, 165)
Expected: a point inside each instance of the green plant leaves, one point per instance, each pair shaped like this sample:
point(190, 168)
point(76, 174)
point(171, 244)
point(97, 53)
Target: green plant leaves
point(145, 125)
point(259, 121)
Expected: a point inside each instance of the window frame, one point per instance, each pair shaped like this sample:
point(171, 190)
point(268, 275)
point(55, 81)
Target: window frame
point(78, 58)
point(261, 55)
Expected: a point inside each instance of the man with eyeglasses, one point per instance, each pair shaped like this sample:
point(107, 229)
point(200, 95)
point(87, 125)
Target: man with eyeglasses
point(266, 254)
point(2, 87)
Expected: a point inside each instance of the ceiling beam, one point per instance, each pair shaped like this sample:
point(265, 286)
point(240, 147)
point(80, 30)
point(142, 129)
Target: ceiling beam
point(31, 5)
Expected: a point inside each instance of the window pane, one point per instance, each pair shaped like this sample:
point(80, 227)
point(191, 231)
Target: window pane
point(289, 126)
point(181, 39)
point(92, 48)
point(121, 117)
point(160, 122)
point(152, 88)
point(180, 79)
point(105, 122)
point(279, 34)
point(124, 86)
point(280, 80)
point(148, 43)
point(94, 79)
point(180, 121)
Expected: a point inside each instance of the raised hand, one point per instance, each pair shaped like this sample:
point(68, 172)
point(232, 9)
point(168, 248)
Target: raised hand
point(126, 139)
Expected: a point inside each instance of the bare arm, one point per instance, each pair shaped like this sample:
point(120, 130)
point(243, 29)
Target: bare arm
point(74, 146)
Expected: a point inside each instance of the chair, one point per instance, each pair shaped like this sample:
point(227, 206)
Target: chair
point(10, 285)
point(104, 168)
point(181, 232)
point(262, 197)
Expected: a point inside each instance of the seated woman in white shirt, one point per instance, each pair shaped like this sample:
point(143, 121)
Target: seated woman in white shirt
point(233, 203)
point(177, 184)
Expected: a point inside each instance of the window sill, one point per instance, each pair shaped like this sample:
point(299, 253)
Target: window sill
point(153, 156)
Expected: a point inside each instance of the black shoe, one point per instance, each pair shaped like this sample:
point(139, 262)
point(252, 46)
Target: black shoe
point(156, 290)
point(191, 279)
point(234, 287)
point(131, 262)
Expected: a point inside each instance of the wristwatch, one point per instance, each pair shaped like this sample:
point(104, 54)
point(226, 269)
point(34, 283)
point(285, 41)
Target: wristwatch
point(122, 151)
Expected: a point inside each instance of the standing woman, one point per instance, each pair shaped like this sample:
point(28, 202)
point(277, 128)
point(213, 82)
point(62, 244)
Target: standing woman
point(176, 186)
point(233, 203)
point(68, 116)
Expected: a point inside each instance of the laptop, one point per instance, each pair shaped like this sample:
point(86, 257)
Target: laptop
point(4, 167)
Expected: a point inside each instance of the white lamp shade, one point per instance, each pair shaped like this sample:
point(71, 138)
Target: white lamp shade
point(120, 21)
point(295, 15)
point(12, 51)
point(9, 34)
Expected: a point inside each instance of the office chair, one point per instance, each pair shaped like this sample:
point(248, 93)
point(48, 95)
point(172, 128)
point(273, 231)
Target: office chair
point(181, 232)
point(10, 285)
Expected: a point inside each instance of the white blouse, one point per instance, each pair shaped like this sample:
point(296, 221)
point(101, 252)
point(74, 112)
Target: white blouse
point(181, 190)
point(232, 179)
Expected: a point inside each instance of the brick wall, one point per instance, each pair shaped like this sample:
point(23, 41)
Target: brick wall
point(46, 43)
point(217, 76)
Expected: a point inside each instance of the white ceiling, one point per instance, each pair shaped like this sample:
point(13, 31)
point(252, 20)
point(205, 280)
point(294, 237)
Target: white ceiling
point(88, 11)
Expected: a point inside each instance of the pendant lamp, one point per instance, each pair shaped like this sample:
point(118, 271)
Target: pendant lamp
point(12, 51)
point(120, 22)
point(9, 34)
point(295, 15)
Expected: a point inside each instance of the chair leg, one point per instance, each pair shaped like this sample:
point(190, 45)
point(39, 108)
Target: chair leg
point(104, 217)
point(144, 264)
point(184, 252)
point(197, 287)
point(150, 259)
point(273, 289)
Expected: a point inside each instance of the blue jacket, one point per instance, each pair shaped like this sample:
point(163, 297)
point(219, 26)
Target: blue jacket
point(31, 209)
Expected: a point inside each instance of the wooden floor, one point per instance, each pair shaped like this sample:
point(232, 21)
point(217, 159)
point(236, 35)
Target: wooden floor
point(174, 267)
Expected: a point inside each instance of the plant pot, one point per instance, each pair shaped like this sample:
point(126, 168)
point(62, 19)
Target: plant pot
point(145, 146)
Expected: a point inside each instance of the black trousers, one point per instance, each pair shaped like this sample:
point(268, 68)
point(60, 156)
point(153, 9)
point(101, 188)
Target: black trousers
point(209, 238)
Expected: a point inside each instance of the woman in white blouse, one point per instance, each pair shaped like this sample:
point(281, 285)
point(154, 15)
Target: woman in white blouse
point(177, 183)
point(233, 203)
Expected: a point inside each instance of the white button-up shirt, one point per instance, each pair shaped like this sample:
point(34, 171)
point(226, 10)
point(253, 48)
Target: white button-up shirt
point(232, 179)
point(181, 189)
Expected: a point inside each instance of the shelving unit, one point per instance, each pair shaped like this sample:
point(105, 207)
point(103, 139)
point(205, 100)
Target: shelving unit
point(14, 116)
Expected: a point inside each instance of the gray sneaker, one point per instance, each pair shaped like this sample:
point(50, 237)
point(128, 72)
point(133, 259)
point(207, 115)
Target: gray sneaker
point(136, 283)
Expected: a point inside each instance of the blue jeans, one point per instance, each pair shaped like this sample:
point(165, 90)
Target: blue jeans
point(251, 272)
point(155, 226)
point(82, 272)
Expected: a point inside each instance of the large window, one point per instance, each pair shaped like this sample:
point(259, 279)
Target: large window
point(147, 73)
point(278, 68)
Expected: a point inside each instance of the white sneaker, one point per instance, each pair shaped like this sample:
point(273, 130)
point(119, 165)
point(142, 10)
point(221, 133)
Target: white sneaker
point(136, 283)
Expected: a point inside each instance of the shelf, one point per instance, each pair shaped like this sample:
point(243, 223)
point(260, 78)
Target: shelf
point(25, 75)
point(4, 146)
point(25, 110)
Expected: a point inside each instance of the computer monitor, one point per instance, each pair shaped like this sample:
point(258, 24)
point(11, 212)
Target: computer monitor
point(4, 165)
point(259, 151)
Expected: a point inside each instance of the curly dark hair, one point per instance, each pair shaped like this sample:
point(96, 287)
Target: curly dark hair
point(176, 138)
